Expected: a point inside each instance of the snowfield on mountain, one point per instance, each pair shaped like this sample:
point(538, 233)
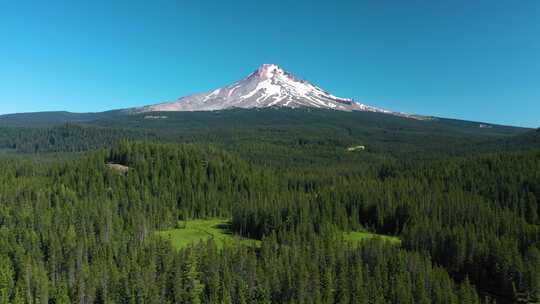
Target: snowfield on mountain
point(268, 86)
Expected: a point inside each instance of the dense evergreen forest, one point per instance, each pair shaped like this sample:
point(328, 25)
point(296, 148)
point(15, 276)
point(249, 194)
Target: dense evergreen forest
point(274, 137)
point(464, 201)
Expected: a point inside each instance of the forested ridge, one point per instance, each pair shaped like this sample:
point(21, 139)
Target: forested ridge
point(294, 137)
point(80, 231)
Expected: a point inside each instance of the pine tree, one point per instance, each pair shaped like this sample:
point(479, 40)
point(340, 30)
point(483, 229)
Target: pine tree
point(6, 280)
point(193, 287)
point(61, 296)
point(467, 294)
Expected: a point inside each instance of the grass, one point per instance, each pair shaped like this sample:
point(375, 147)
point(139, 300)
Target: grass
point(7, 151)
point(202, 230)
point(356, 236)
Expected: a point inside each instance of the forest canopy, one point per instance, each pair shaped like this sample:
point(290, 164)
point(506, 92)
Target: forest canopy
point(76, 229)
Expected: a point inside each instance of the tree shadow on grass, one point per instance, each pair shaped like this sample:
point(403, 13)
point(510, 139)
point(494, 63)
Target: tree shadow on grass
point(226, 228)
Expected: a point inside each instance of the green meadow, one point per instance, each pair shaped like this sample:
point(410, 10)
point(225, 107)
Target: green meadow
point(201, 230)
point(364, 235)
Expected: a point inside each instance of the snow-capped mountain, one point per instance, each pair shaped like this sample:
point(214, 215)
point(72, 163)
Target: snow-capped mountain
point(268, 86)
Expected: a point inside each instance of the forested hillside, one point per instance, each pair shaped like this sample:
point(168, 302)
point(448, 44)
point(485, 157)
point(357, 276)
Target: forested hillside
point(274, 137)
point(86, 229)
point(80, 231)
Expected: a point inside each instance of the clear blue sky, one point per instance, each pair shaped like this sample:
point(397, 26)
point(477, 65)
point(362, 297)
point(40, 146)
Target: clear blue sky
point(476, 60)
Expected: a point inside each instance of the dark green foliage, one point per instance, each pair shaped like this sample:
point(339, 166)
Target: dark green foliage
point(48, 119)
point(477, 217)
point(80, 231)
point(294, 137)
point(66, 138)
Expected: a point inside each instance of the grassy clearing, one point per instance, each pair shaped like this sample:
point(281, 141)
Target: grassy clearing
point(203, 230)
point(7, 151)
point(356, 236)
point(219, 230)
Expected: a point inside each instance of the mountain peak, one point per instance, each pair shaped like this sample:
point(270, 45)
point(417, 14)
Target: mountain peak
point(269, 70)
point(268, 86)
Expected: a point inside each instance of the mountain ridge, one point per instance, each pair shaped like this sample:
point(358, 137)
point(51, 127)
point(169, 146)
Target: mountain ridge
point(268, 86)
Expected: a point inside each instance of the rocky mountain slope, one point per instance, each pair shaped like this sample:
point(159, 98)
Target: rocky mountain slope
point(268, 86)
